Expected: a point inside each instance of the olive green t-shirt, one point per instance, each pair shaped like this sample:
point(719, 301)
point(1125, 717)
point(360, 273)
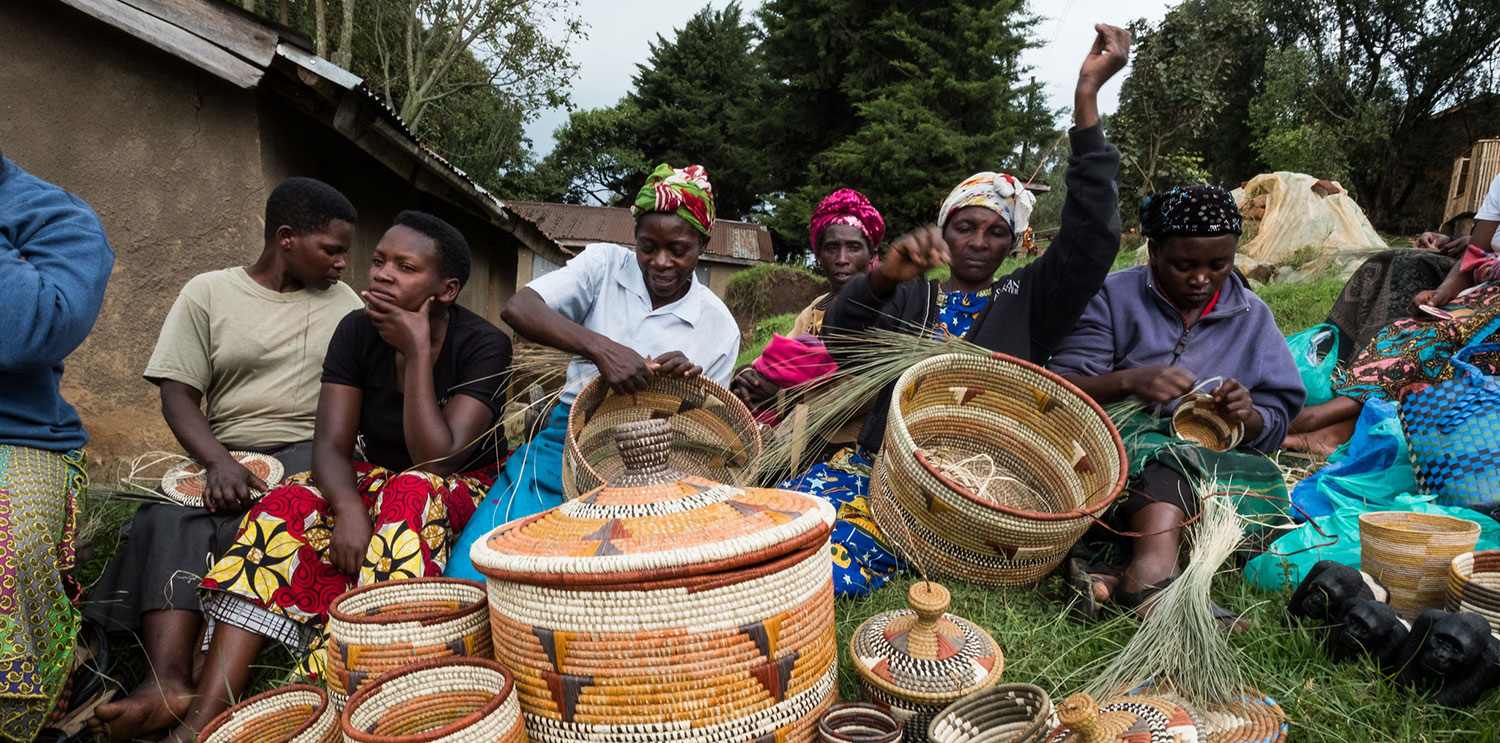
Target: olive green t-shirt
point(255, 354)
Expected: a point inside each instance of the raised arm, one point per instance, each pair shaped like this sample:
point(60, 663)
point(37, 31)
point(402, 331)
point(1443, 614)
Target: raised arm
point(54, 264)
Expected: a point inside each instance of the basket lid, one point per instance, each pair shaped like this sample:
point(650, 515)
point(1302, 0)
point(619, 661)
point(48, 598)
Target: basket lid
point(1125, 720)
point(924, 655)
point(653, 523)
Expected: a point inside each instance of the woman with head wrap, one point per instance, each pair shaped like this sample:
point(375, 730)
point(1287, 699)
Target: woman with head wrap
point(1025, 313)
point(1156, 334)
point(625, 315)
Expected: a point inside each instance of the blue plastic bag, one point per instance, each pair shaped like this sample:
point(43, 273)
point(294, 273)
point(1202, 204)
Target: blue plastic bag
point(1315, 364)
point(1373, 468)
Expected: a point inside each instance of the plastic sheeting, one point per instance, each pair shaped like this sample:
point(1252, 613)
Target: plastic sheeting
point(1296, 216)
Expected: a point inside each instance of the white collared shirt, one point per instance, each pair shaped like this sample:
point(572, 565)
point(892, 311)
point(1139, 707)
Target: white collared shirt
point(603, 290)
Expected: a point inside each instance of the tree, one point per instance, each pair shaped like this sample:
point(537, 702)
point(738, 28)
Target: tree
point(898, 99)
point(597, 157)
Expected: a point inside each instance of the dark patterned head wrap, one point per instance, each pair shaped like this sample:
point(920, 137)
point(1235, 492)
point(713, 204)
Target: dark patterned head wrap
point(1190, 211)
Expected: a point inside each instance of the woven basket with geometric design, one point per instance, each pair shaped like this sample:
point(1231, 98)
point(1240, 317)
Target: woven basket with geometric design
point(1453, 431)
point(444, 700)
point(299, 713)
point(1059, 458)
point(1474, 585)
point(1411, 553)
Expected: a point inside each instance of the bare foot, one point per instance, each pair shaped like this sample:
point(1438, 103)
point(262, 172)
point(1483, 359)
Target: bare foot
point(150, 707)
point(1322, 441)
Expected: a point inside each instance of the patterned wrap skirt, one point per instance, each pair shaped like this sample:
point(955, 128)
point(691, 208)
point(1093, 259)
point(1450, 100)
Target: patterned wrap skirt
point(276, 580)
point(1411, 354)
point(39, 492)
point(862, 560)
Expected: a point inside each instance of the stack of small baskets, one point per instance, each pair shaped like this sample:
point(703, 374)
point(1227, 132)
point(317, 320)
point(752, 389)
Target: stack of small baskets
point(1474, 585)
point(1060, 462)
point(713, 433)
point(665, 607)
point(1411, 554)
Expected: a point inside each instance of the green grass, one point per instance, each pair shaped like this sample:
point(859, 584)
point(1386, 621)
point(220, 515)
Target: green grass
point(1298, 307)
point(781, 324)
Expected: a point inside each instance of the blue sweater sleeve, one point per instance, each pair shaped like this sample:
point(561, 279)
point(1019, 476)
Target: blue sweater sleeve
point(54, 264)
point(1279, 394)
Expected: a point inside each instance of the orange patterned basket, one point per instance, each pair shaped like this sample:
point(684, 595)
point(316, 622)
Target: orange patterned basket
point(292, 714)
point(665, 607)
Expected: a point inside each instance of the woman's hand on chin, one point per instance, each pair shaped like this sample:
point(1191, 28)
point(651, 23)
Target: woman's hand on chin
point(408, 332)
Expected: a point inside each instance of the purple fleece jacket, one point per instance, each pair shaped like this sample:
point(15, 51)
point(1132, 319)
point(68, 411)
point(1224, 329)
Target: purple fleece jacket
point(1131, 324)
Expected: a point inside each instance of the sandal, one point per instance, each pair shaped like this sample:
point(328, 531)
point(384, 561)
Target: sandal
point(87, 687)
point(1078, 589)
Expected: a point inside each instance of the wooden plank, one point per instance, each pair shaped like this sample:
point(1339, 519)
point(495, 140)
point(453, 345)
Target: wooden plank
point(172, 40)
point(218, 23)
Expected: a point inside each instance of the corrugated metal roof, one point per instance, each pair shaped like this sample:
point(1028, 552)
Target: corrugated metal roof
point(573, 224)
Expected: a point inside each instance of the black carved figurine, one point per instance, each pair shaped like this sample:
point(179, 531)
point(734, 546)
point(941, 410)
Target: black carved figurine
point(1454, 652)
point(1328, 587)
point(1368, 627)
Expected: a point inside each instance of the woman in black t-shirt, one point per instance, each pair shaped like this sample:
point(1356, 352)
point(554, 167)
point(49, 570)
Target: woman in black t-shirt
point(420, 380)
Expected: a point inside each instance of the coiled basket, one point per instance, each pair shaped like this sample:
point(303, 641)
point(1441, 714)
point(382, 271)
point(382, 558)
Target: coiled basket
point(1474, 585)
point(446, 700)
point(381, 627)
point(1412, 555)
point(1056, 462)
point(713, 435)
point(292, 714)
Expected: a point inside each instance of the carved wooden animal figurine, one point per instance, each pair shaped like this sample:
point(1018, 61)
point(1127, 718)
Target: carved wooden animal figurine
point(1328, 587)
point(1368, 627)
point(1453, 652)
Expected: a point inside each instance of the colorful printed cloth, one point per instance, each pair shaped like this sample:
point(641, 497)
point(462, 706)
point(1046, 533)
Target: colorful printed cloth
point(39, 492)
point(684, 192)
point(847, 206)
point(862, 561)
point(1483, 264)
point(956, 312)
point(1148, 438)
point(998, 192)
point(279, 561)
point(1190, 211)
point(792, 362)
point(1380, 293)
point(1413, 353)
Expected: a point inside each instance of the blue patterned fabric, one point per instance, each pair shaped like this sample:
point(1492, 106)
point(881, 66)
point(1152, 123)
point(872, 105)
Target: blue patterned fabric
point(956, 312)
point(1453, 430)
point(862, 561)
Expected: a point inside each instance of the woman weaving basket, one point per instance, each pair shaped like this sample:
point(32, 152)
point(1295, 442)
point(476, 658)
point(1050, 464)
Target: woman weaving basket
point(1155, 334)
point(1025, 313)
point(419, 379)
point(626, 315)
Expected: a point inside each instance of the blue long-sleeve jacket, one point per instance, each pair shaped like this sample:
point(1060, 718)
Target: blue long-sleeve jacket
point(54, 264)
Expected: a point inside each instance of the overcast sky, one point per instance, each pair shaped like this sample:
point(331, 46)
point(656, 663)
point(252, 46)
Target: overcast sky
point(620, 31)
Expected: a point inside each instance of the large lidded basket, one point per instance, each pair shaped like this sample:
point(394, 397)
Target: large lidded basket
point(713, 435)
point(299, 713)
point(666, 608)
point(1046, 457)
point(381, 627)
point(917, 661)
point(1412, 553)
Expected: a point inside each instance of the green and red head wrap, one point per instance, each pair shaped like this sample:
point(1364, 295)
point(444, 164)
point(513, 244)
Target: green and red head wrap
point(684, 192)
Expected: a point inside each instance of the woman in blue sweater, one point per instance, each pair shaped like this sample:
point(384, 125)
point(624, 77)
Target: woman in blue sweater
point(1155, 334)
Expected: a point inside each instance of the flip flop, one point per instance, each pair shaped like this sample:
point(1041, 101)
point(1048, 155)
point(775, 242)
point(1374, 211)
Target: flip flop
point(88, 686)
point(1078, 589)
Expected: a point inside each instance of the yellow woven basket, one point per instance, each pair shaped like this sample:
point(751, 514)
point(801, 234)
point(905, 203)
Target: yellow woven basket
point(1411, 554)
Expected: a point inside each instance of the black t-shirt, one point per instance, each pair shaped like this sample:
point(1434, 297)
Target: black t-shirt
point(474, 361)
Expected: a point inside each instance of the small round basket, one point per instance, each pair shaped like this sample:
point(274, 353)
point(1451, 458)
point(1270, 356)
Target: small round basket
point(1053, 461)
point(1258, 719)
point(858, 722)
point(1474, 585)
point(713, 435)
point(1197, 420)
point(448, 700)
point(1411, 554)
point(1127, 719)
point(292, 714)
point(378, 628)
point(1012, 713)
point(184, 483)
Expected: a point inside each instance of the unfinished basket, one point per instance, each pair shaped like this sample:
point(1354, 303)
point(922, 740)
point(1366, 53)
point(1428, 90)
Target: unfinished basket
point(292, 714)
point(444, 700)
point(185, 482)
point(1128, 719)
point(1411, 554)
point(666, 607)
point(380, 627)
point(713, 435)
point(1198, 420)
point(858, 722)
point(919, 660)
point(1057, 461)
point(1474, 585)
point(1008, 713)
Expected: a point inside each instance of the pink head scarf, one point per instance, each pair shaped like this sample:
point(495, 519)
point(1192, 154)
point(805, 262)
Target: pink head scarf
point(847, 206)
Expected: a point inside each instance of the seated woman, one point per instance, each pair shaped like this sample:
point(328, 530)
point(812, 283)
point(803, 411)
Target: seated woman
point(1415, 351)
point(236, 344)
point(1155, 334)
point(844, 233)
point(1024, 314)
point(419, 379)
point(626, 315)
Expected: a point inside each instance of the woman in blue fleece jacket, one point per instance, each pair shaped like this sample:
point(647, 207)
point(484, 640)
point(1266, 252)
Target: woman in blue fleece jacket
point(1155, 334)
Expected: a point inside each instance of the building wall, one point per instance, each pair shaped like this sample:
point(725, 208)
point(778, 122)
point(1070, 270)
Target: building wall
point(718, 279)
point(169, 158)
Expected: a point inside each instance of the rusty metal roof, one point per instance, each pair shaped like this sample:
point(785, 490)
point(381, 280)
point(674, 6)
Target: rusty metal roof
point(575, 225)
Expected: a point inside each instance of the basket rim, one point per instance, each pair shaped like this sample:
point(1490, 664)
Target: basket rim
point(346, 723)
point(575, 422)
point(1382, 519)
point(1120, 479)
point(227, 715)
point(335, 611)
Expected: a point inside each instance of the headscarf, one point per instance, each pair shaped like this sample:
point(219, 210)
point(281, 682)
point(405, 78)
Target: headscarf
point(998, 192)
point(847, 206)
point(681, 191)
point(1190, 211)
